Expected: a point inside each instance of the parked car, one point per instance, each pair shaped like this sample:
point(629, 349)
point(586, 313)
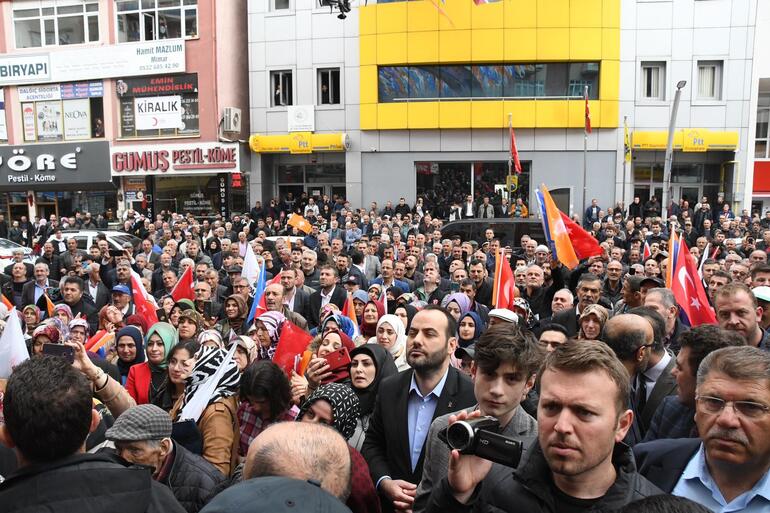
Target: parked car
point(85, 238)
point(6, 252)
point(509, 231)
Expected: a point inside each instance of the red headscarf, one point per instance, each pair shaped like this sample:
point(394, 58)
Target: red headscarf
point(370, 330)
point(342, 373)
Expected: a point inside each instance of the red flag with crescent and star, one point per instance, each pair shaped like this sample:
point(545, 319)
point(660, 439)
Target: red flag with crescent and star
point(688, 289)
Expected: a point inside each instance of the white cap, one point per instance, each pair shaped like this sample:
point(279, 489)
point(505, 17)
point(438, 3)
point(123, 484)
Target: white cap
point(504, 314)
point(542, 248)
point(762, 293)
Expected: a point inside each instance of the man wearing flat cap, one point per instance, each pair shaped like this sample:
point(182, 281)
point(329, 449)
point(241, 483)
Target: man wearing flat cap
point(142, 435)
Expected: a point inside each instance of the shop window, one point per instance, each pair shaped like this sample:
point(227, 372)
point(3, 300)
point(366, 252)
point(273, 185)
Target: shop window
point(138, 95)
point(280, 5)
point(761, 135)
point(329, 86)
point(3, 124)
point(148, 20)
point(653, 85)
point(62, 22)
point(62, 112)
point(557, 80)
point(709, 80)
point(281, 87)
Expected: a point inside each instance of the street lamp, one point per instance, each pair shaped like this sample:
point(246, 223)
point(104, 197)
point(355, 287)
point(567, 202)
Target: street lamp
point(664, 201)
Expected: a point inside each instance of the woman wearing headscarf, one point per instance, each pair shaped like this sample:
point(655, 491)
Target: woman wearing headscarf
point(43, 334)
point(372, 313)
point(211, 338)
point(369, 365)
point(130, 349)
point(145, 380)
point(337, 406)
point(235, 310)
point(469, 329)
point(458, 304)
point(110, 318)
point(31, 316)
point(591, 322)
point(406, 313)
point(218, 423)
point(268, 329)
point(245, 352)
point(341, 323)
point(391, 334)
point(139, 321)
point(63, 312)
point(318, 371)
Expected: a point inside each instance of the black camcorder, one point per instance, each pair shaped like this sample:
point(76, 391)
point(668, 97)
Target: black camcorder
point(481, 437)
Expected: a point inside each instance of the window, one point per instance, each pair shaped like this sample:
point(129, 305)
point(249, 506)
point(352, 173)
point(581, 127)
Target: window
point(281, 86)
point(180, 92)
point(61, 23)
point(280, 5)
point(709, 80)
point(148, 20)
point(557, 80)
point(62, 112)
point(653, 81)
point(763, 118)
point(329, 86)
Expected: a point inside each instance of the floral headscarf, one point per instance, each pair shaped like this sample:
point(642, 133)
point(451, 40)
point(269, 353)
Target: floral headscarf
point(344, 403)
point(344, 325)
point(248, 344)
point(273, 321)
point(211, 335)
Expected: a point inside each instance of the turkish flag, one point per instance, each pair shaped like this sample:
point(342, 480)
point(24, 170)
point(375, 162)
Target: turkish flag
point(292, 342)
point(584, 244)
point(515, 153)
point(184, 287)
point(504, 288)
point(688, 289)
point(143, 306)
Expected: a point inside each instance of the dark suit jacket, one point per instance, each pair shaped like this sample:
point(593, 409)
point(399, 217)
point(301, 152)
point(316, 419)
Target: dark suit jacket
point(568, 319)
point(664, 386)
point(301, 302)
point(386, 447)
point(28, 291)
point(663, 461)
point(338, 298)
point(30, 270)
point(103, 295)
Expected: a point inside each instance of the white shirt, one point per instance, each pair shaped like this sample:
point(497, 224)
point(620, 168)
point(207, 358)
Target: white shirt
point(651, 375)
point(289, 302)
point(325, 299)
point(92, 289)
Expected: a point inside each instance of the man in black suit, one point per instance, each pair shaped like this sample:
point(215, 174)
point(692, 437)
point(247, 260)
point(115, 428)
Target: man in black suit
point(295, 299)
point(33, 290)
point(589, 290)
point(731, 456)
point(329, 292)
point(72, 295)
point(408, 402)
point(52, 259)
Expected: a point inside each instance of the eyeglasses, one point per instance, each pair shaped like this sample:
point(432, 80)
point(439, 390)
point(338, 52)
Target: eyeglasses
point(239, 287)
point(746, 409)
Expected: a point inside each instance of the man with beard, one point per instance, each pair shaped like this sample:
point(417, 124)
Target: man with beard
point(408, 402)
point(726, 469)
point(577, 462)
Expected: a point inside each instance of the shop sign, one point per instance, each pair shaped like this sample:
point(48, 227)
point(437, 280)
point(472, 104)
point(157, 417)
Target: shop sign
point(175, 159)
point(301, 118)
point(53, 166)
point(28, 120)
point(186, 83)
point(157, 112)
point(223, 196)
point(299, 142)
point(134, 188)
point(126, 59)
point(68, 91)
point(77, 119)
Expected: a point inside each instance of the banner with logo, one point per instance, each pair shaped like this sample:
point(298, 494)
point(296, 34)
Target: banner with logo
point(48, 116)
point(77, 119)
point(158, 112)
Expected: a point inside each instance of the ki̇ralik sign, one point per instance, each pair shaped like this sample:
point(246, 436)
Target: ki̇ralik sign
point(55, 167)
point(175, 159)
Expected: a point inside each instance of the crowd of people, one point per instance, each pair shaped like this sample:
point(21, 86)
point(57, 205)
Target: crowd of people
point(614, 402)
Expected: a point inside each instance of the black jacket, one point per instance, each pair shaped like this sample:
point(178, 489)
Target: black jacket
point(193, 480)
point(87, 483)
point(338, 298)
point(87, 309)
point(663, 461)
point(527, 488)
point(386, 447)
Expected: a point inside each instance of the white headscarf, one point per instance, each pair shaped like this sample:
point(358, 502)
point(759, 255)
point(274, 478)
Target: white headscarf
point(399, 347)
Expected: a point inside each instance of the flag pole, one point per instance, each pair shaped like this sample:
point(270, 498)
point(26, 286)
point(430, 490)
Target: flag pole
point(585, 154)
point(510, 163)
point(625, 160)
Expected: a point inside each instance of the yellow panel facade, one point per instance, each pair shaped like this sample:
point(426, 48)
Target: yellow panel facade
point(577, 113)
point(392, 115)
point(487, 114)
point(523, 113)
point(553, 44)
point(454, 46)
point(519, 44)
point(454, 114)
point(553, 13)
point(427, 32)
point(487, 45)
point(422, 115)
point(551, 114)
point(422, 47)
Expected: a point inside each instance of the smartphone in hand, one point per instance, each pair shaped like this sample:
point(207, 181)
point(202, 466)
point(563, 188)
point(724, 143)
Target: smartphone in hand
point(338, 359)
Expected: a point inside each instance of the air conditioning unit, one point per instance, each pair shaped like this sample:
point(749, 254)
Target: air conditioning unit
point(232, 121)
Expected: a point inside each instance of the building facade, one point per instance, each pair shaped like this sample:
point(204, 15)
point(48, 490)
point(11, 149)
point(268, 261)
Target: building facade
point(427, 91)
point(121, 105)
point(758, 168)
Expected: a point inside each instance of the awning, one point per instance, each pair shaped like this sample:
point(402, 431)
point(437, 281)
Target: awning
point(686, 139)
point(761, 177)
point(299, 142)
